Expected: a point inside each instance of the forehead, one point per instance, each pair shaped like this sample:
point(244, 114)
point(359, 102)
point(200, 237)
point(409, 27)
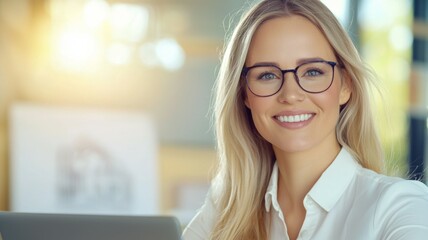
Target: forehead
point(286, 40)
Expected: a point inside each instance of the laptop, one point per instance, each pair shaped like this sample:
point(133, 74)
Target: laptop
point(38, 226)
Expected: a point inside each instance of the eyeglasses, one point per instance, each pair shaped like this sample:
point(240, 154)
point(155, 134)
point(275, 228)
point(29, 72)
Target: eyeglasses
point(312, 77)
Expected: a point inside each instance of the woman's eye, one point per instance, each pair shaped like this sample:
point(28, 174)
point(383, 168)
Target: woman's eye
point(267, 76)
point(313, 73)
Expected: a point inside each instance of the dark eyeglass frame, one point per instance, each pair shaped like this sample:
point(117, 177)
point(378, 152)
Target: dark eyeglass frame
point(245, 71)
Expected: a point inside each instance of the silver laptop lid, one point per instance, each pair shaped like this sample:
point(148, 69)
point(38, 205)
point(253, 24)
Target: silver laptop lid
point(37, 226)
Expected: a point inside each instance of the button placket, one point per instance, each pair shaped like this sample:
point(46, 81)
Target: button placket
point(310, 219)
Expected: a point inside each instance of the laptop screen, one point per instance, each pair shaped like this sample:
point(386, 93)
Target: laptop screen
point(37, 226)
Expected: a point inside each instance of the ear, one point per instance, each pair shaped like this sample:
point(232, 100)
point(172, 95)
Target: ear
point(245, 96)
point(346, 88)
point(246, 102)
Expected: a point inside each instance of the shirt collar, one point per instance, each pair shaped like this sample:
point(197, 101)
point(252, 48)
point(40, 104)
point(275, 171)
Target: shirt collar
point(335, 180)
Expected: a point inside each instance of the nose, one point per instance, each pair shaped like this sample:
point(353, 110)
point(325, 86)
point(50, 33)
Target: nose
point(290, 91)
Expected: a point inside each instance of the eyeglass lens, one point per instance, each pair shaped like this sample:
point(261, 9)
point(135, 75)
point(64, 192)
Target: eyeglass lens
point(313, 77)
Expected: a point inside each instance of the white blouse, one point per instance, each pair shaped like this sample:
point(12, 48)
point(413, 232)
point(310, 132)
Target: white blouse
point(348, 202)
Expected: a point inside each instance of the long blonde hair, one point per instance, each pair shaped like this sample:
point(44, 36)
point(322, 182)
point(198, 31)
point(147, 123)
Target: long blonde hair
point(245, 158)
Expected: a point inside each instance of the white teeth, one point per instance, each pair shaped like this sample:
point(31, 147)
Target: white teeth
point(295, 118)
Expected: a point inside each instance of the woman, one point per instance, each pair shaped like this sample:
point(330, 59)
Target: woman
point(299, 154)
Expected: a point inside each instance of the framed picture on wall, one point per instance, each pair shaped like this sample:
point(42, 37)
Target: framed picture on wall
point(71, 160)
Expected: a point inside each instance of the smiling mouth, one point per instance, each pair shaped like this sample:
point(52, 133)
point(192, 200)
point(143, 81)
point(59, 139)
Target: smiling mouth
point(294, 118)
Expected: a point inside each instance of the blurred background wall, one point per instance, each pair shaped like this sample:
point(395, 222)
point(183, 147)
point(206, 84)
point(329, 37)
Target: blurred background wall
point(160, 57)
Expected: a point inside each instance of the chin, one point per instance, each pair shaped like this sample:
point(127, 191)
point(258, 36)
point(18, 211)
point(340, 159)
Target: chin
point(295, 147)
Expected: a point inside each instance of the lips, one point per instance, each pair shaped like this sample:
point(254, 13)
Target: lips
point(294, 118)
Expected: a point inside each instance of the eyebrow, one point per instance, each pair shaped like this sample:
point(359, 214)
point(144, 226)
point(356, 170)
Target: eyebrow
point(306, 60)
point(298, 62)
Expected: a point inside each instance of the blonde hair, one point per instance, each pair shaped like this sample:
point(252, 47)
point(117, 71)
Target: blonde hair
point(245, 158)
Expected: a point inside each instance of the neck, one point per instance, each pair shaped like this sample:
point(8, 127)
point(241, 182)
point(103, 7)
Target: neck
point(299, 171)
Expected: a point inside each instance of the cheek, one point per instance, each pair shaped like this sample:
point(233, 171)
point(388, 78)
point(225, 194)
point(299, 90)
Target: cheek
point(255, 109)
point(335, 90)
point(250, 100)
point(259, 109)
point(257, 105)
point(330, 101)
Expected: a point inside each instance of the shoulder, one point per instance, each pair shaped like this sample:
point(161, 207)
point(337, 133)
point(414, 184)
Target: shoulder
point(399, 195)
point(392, 208)
point(388, 191)
point(201, 226)
point(400, 207)
point(388, 186)
point(402, 188)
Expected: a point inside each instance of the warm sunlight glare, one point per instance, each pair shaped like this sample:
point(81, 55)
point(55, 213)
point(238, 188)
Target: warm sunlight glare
point(96, 12)
point(76, 50)
point(129, 21)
